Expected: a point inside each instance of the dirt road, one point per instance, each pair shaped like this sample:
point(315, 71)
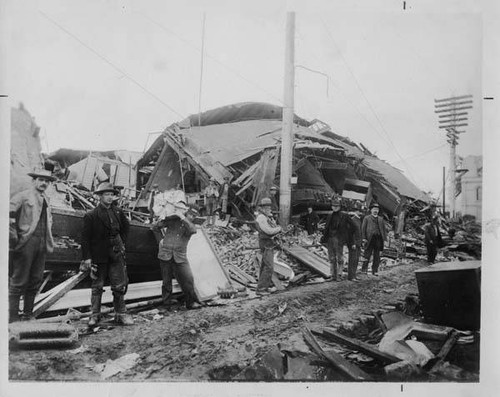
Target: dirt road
point(192, 345)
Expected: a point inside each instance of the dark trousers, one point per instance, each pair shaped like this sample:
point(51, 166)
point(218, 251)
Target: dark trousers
point(28, 265)
point(266, 268)
point(336, 255)
point(353, 262)
point(116, 271)
point(374, 247)
point(182, 273)
point(26, 275)
point(431, 252)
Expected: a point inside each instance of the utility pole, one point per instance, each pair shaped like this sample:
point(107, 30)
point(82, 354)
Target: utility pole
point(452, 114)
point(287, 131)
point(444, 191)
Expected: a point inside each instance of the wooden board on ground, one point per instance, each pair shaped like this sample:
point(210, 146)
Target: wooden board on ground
point(208, 273)
point(336, 360)
point(366, 348)
point(81, 297)
point(65, 287)
point(311, 260)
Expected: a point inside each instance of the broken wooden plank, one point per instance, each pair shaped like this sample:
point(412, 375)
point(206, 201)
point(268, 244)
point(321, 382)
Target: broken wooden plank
point(240, 275)
point(339, 362)
point(81, 297)
point(45, 281)
point(366, 348)
point(309, 259)
point(68, 285)
point(445, 350)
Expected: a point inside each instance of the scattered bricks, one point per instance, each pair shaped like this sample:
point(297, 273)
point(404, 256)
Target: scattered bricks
point(403, 371)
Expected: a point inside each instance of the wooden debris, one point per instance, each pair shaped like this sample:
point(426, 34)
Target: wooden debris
point(445, 349)
point(309, 259)
point(65, 287)
point(358, 345)
point(339, 362)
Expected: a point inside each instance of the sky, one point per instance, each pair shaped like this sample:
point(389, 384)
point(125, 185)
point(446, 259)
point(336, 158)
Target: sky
point(111, 74)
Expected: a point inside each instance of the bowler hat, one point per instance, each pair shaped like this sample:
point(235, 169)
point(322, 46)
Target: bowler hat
point(106, 187)
point(266, 202)
point(41, 173)
point(273, 188)
point(374, 205)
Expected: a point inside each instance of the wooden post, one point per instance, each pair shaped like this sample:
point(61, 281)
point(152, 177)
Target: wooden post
point(287, 131)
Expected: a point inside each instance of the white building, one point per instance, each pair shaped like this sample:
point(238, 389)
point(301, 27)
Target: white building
point(469, 202)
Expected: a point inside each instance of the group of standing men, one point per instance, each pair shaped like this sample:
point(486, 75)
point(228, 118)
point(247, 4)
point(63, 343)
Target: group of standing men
point(355, 232)
point(104, 235)
point(105, 232)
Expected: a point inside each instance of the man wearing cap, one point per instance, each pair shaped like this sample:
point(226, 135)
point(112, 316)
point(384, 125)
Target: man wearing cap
point(337, 230)
point(30, 238)
point(211, 197)
point(105, 230)
point(267, 228)
point(373, 234)
point(224, 198)
point(173, 234)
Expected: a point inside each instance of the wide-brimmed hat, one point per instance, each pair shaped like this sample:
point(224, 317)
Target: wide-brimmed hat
point(106, 187)
point(266, 202)
point(41, 173)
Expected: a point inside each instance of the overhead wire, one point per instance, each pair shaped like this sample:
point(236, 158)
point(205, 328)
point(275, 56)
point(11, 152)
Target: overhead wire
point(118, 69)
point(389, 139)
point(213, 58)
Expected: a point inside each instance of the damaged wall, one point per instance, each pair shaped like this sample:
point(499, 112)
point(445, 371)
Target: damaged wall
point(25, 149)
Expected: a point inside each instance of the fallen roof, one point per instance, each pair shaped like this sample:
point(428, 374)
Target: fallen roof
point(233, 133)
point(242, 111)
point(67, 157)
point(391, 174)
point(233, 142)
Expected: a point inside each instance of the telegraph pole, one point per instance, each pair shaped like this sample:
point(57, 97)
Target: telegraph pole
point(287, 131)
point(452, 114)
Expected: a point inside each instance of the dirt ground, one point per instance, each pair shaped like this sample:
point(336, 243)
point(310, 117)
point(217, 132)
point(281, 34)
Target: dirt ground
point(191, 345)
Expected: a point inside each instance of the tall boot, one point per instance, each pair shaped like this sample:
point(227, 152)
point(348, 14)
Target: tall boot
point(13, 308)
point(29, 303)
point(95, 307)
point(121, 316)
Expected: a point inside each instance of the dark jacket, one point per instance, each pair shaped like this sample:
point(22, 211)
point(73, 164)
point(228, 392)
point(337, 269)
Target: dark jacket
point(344, 228)
point(310, 222)
point(355, 235)
point(96, 242)
point(372, 226)
point(432, 235)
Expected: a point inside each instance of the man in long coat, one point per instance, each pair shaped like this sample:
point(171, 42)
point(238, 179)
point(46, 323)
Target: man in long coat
point(30, 238)
point(105, 231)
point(338, 228)
point(373, 234)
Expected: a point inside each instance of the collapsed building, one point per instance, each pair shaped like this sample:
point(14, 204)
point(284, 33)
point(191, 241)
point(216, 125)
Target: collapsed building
point(242, 141)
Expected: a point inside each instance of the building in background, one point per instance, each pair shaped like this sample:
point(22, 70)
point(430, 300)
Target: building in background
point(25, 149)
point(471, 195)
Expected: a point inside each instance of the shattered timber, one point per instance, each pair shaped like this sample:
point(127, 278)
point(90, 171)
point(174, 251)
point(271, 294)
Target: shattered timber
point(414, 322)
